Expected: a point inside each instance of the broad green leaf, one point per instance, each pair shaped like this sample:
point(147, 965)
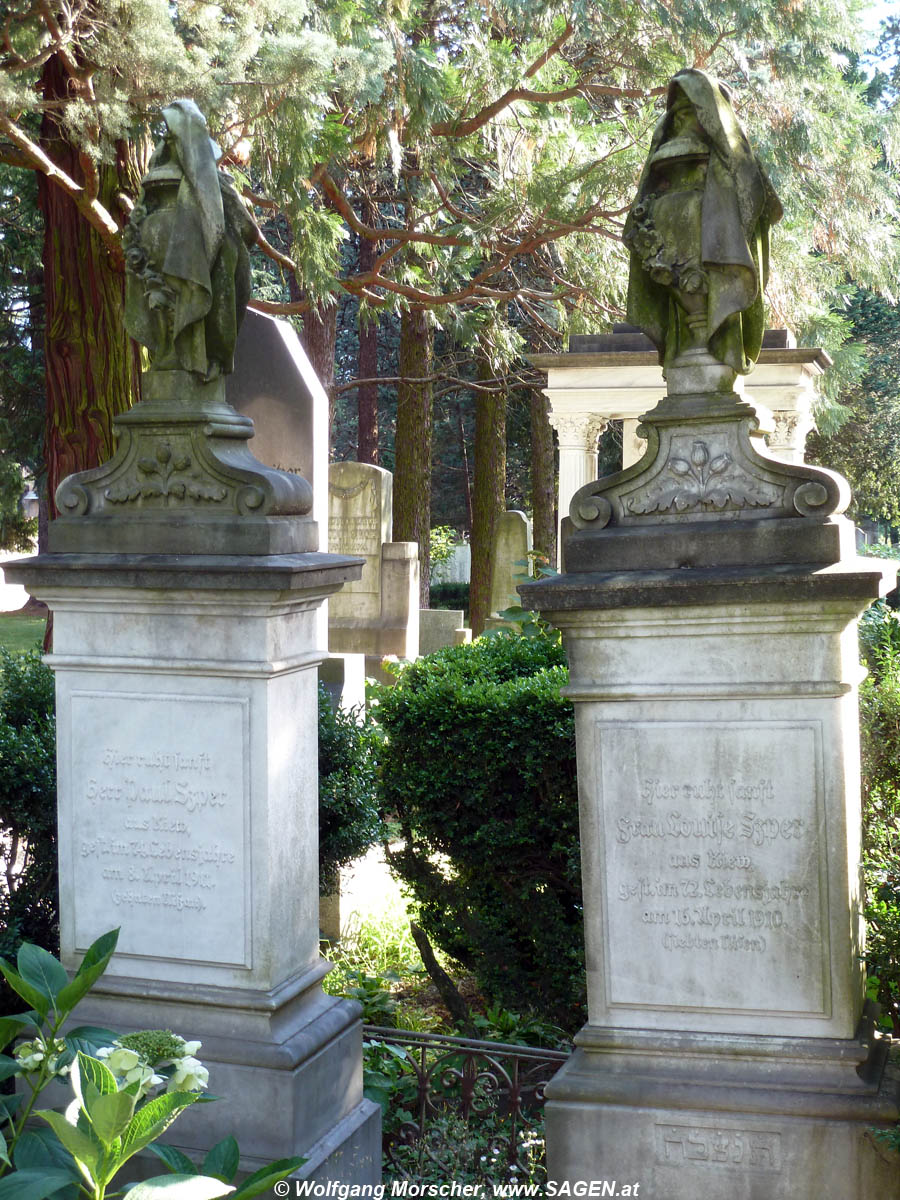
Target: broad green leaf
point(4, 1157)
point(180, 1187)
point(23, 988)
point(8, 1067)
point(42, 1148)
point(42, 971)
point(9, 1027)
point(222, 1160)
point(33, 1184)
point(110, 1115)
point(81, 1144)
point(266, 1177)
point(86, 1038)
point(94, 963)
point(174, 1159)
point(9, 1105)
point(153, 1119)
point(88, 1070)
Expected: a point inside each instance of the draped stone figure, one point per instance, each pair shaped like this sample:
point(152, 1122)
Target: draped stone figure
point(188, 279)
point(698, 230)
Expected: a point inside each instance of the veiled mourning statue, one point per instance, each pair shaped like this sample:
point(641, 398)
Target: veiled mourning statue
point(188, 279)
point(698, 231)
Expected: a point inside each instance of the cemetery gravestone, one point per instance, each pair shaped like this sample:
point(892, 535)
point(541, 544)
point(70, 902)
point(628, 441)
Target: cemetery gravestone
point(275, 386)
point(512, 544)
point(708, 610)
point(184, 579)
point(379, 614)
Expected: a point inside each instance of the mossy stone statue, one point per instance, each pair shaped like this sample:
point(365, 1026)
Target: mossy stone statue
point(183, 480)
point(698, 230)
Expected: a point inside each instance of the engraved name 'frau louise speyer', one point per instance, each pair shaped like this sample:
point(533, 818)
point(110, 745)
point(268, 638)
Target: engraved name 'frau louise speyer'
point(158, 857)
point(701, 910)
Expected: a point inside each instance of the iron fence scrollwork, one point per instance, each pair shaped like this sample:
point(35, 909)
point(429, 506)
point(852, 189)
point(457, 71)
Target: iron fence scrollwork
point(455, 1099)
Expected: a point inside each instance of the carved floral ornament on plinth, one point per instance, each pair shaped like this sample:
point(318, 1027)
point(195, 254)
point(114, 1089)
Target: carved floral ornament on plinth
point(703, 481)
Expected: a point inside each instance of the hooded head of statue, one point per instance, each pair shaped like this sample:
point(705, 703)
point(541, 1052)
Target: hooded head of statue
point(188, 270)
point(698, 231)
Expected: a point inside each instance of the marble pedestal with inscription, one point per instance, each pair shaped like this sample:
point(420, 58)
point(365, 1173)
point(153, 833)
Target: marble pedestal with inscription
point(727, 1053)
point(186, 701)
point(709, 614)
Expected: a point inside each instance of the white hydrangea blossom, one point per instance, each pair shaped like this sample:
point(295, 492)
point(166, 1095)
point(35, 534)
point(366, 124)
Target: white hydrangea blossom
point(151, 1052)
point(32, 1055)
point(190, 1075)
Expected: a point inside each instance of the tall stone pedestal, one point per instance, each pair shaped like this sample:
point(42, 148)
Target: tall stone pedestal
point(708, 611)
point(186, 702)
point(727, 1053)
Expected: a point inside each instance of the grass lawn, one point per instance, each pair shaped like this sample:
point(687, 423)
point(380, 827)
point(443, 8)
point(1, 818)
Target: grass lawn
point(18, 634)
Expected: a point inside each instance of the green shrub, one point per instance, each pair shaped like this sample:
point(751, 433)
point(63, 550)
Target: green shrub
point(348, 807)
point(450, 595)
point(880, 745)
point(478, 768)
point(442, 542)
point(879, 630)
point(29, 894)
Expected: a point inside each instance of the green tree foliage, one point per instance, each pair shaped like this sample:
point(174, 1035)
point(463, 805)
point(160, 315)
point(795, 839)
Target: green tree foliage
point(880, 743)
point(348, 808)
point(862, 440)
point(21, 353)
point(28, 891)
point(479, 770)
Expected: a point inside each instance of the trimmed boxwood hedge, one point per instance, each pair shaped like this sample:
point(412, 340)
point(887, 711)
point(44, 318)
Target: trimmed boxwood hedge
point(478, 769)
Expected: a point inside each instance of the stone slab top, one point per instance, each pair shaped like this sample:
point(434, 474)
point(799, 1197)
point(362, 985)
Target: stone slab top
point(586, 359)
point(188, 572)
point(856, 579)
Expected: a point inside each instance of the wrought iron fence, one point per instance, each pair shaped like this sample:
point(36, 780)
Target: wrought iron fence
point(456, 1099)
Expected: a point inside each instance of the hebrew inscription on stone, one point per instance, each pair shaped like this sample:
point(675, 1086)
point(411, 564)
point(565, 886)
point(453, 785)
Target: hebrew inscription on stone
point(714, 847)
point(693, 1145)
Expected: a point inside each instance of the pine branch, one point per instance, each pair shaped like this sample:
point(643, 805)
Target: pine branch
point(97, 216)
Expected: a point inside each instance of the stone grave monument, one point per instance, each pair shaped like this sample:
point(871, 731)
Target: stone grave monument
point(512, 543)
point(273, 384)
point(708, 609)
point(378, 614)
point(184, 579)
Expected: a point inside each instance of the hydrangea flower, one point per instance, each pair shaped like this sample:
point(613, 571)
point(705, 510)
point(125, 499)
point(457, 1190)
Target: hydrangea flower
point(190, 1076)
point(31, 1055)
point(155, 1056)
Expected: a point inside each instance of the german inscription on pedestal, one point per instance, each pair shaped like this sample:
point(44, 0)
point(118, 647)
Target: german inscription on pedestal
point(714, 875)
point(161, 833)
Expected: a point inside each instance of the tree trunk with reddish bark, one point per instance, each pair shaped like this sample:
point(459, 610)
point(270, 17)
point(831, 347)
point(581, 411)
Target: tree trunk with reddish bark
point(488, 495)
point(319, 336)
point(367, 366)
point(92, 366)
point(412, 442)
